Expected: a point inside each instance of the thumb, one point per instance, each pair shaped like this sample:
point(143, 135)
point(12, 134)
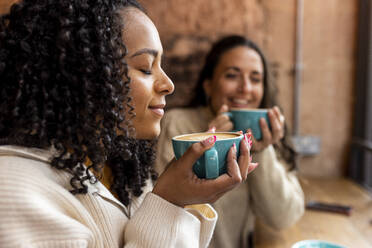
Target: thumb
point(195, 151)
point(224, 108)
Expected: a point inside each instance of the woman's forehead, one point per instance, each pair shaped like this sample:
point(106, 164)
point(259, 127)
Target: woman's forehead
point(241, 56)
point(139, 31)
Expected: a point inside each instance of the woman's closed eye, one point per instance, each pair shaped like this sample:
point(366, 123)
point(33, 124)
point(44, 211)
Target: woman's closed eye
point(256, 79)
point(146, 71)
point(231, 75)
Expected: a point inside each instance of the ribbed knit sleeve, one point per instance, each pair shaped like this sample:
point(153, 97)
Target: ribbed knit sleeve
point(277, 197)
point(158, 223)
point(38, 213)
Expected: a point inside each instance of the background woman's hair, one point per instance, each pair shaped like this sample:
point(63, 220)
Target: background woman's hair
point(269, 99)
point(64, 84)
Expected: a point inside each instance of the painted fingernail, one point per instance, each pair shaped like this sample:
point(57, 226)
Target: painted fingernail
point(252, 166)
point(234, 147)
point(250, 159)
point(246, 141)
point(249, 134)
point(212, 129)
point(209, 141)
point(241, 132)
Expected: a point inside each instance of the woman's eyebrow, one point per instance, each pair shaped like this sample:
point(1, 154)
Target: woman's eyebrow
point(257, 72)
point(145, 51)
point(233, 68)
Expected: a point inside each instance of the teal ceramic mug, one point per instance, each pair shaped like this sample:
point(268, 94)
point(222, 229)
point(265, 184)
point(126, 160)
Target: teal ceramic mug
point(248, 118)
point(213, 162)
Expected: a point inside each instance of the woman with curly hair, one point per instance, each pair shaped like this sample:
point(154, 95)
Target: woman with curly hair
point(82, 94)
point(235, 74)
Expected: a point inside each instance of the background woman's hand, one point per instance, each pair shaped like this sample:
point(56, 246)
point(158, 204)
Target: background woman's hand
point(221, 122)
point(180, 186)
point(277, 130)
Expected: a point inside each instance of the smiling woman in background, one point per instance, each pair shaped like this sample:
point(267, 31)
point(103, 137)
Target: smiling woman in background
point(235, 76)
point(82, 94)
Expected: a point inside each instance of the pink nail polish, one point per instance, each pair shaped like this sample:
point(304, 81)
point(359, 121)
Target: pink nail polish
point(247, 141)
point(234, 146)
point(209, 141)
point(250, 159)
point(249, 135)
point(252, 167)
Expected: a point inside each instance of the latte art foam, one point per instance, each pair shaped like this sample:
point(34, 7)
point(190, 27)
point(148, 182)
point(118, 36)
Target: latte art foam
point(203, 136)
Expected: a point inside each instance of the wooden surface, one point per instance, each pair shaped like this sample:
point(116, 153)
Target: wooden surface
point(354, 231)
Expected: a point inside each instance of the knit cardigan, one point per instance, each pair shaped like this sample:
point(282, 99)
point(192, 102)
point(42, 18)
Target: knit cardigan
point(37, 210)
point(270, 192)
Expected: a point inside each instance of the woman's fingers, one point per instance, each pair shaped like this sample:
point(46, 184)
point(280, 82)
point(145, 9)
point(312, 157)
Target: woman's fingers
point(222, 183)
point(275, 134)
point(276, 128)
point(229, 180)
point(224, 108)
point(277, 123)
point(252, 166)
point(266, 133)
point(232, 166)
point(195, 151)
point(244, 157)
point(222, 123)
point(279, 115)
point(228, 126)
point(187, 188)
point(277, 112)
point(281, 120)
point(211, 129)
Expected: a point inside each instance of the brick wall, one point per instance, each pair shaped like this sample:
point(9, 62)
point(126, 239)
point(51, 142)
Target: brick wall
point(188, 27)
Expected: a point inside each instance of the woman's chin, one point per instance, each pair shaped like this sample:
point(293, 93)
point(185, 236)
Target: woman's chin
point(149, 134)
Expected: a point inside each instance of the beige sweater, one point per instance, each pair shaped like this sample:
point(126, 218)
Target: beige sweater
point(270, 192)
point(38, 211)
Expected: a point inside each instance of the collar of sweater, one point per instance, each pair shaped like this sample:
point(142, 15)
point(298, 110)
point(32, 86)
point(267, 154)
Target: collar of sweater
point(46, 156)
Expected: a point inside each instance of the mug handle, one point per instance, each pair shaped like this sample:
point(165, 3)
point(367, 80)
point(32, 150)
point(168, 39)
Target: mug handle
point(211, 163)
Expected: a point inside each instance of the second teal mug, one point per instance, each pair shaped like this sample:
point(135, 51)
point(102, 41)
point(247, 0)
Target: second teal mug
point(248, 118)
point(213, 162)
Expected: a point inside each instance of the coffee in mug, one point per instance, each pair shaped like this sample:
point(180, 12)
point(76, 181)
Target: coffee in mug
point(203, 136)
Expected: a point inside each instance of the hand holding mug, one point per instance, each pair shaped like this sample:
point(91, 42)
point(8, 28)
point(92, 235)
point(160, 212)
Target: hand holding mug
point(221, 122)
point(180, 186)
point(272, 136)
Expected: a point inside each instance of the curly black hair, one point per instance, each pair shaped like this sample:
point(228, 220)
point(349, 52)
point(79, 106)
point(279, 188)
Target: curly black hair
point(64, 84)
point(269, 99)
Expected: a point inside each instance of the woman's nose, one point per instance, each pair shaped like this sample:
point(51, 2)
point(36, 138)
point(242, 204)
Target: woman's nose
point(246, 85)
point(164, 84)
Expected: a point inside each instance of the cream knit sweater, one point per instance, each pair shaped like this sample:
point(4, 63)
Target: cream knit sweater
point(270, 192)
point(38, 211)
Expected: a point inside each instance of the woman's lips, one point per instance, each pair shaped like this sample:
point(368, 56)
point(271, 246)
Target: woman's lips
point(158, 109)
point(240, 103)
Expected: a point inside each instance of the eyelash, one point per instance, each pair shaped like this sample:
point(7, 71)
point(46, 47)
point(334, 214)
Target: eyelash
point(256, 80)
point(230, 75)
point(146, 72)
point(233, 76)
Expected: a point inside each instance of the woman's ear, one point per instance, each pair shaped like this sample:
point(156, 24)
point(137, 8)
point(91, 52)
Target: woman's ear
point(207, 87)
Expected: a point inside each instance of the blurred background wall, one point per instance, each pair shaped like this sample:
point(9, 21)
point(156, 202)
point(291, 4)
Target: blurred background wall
point(188, 27)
